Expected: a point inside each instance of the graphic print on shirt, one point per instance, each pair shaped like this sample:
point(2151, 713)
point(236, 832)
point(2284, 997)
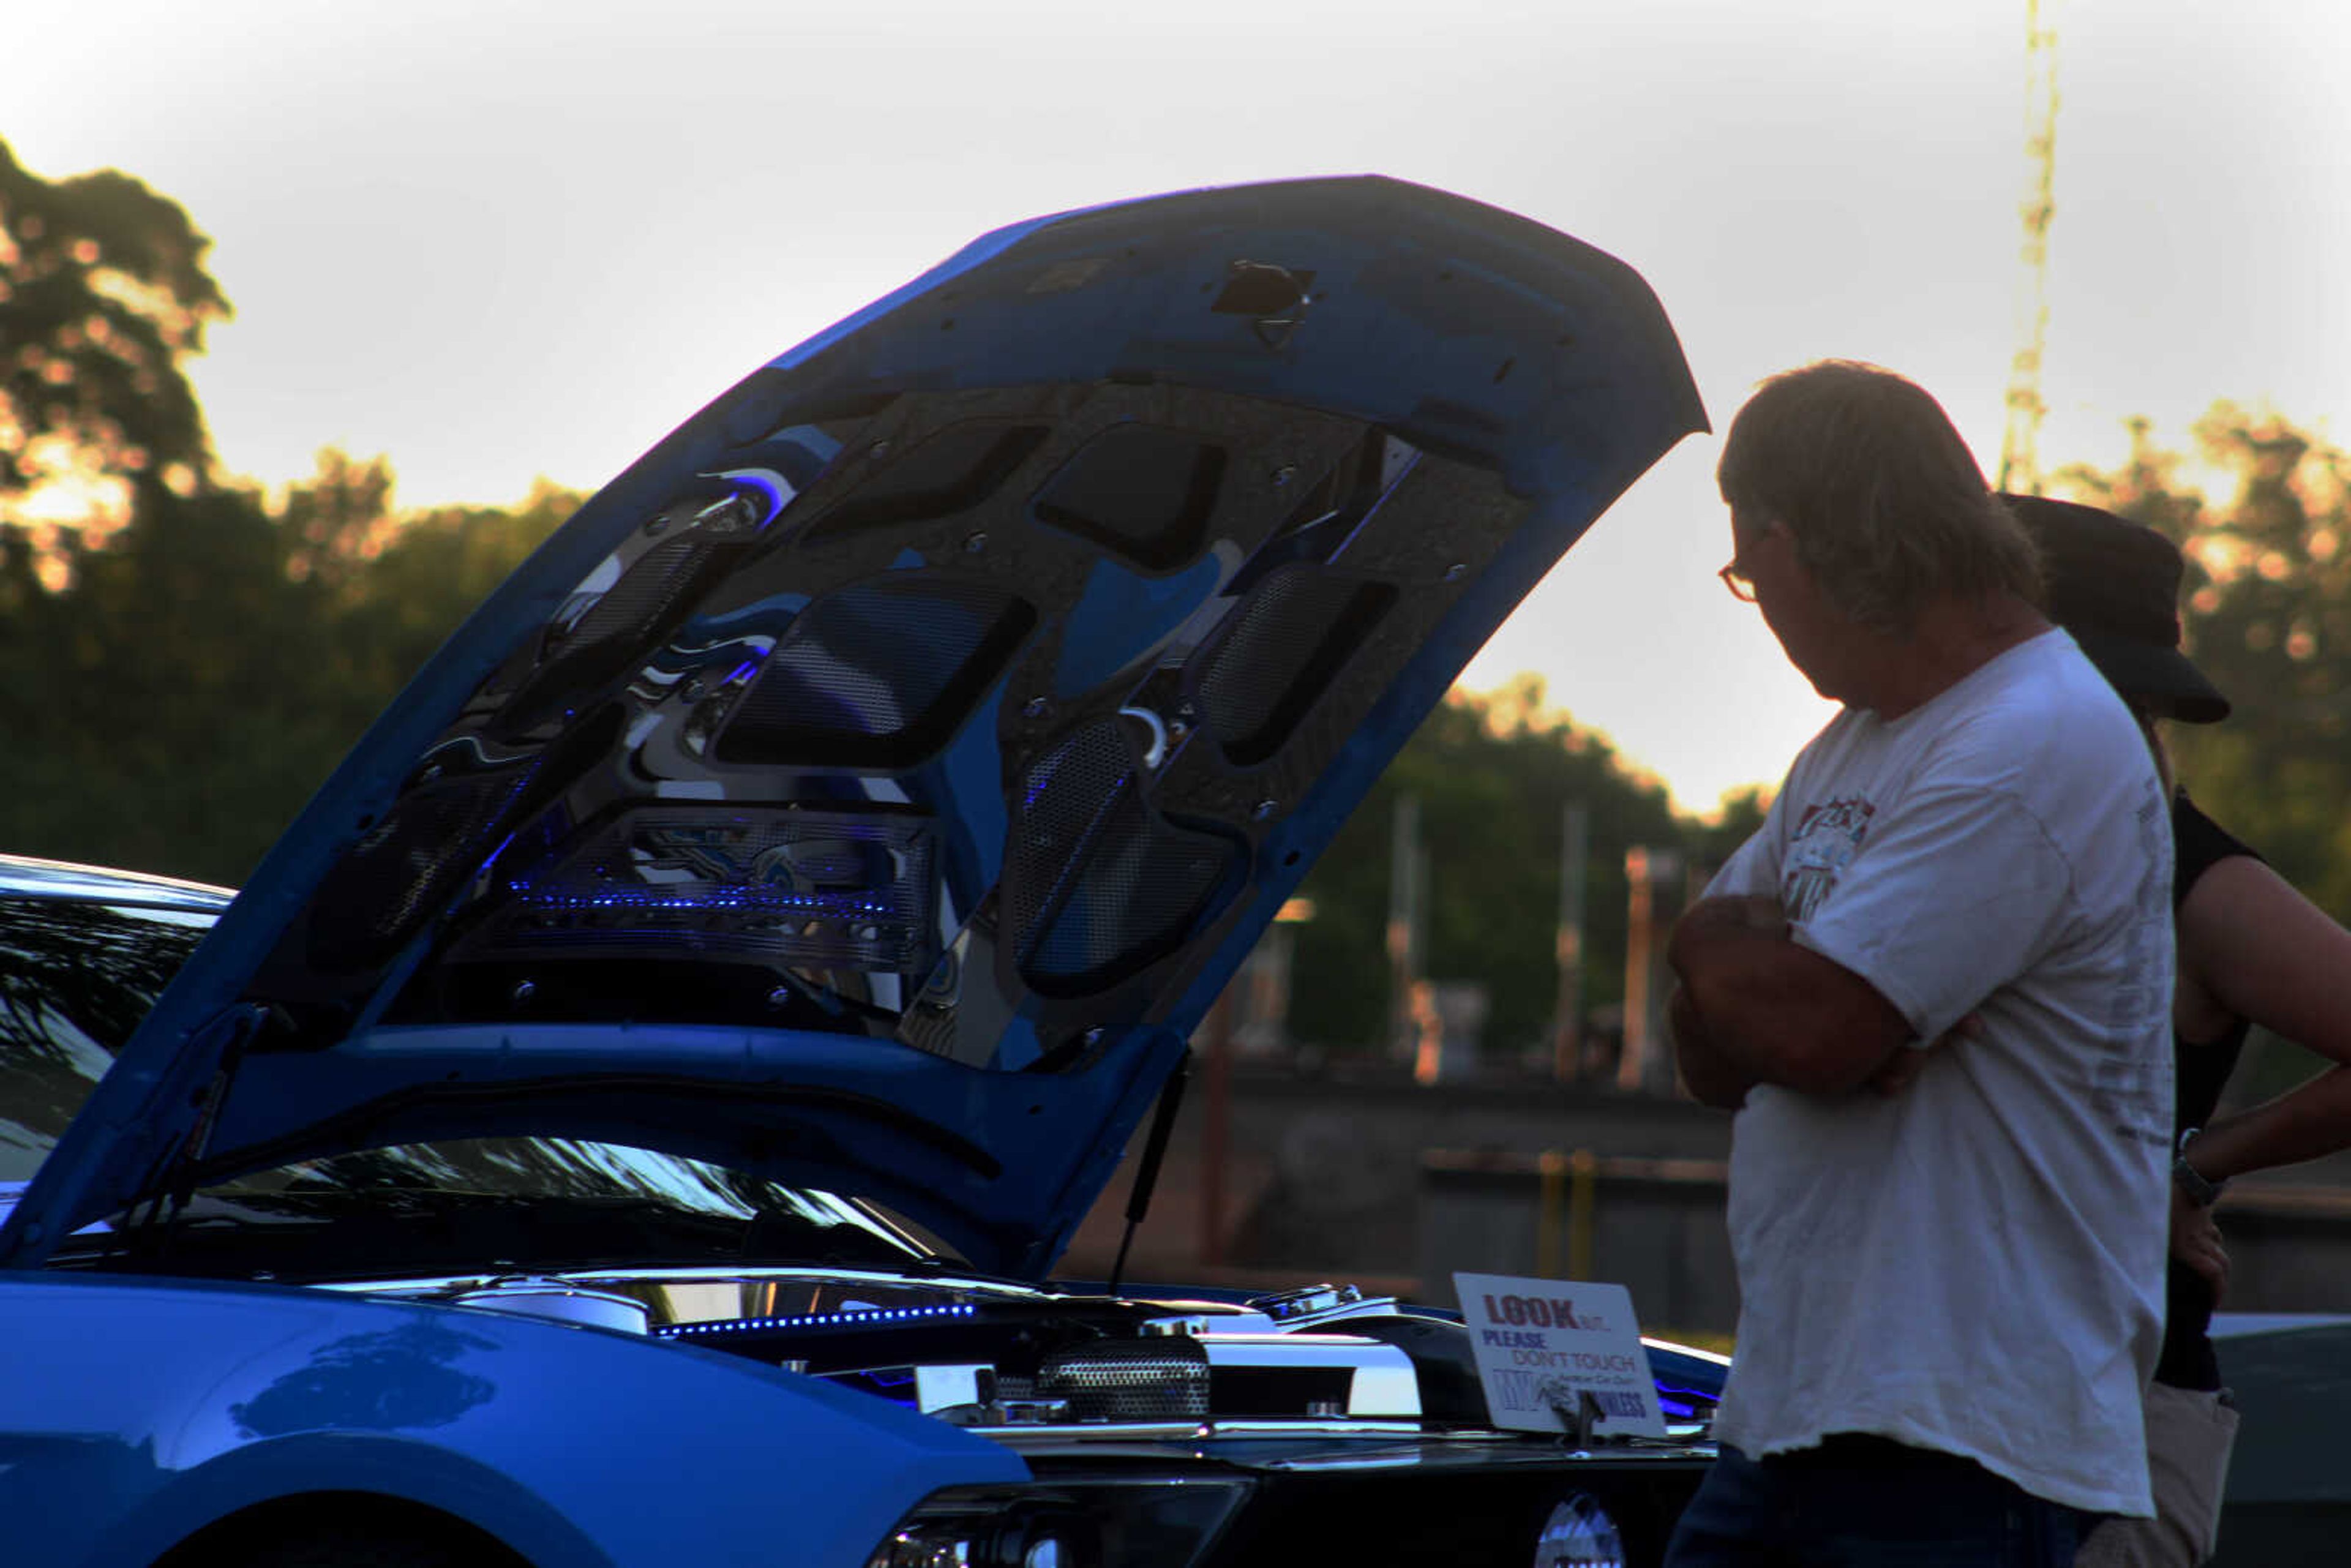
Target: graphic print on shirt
point(2133, 1092)
point(1827, 837)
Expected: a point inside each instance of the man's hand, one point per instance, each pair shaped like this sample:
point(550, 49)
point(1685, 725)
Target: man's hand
point(1901, 1071)
point(2196, 1241)
point(1710, 1080)
point(1770, 1010)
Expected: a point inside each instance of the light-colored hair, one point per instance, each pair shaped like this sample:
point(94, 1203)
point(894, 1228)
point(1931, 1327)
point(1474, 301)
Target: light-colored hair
point(1887, 504)
point(2150, 725)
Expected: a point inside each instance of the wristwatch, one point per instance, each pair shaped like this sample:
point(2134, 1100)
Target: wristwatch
point(2199, 1189)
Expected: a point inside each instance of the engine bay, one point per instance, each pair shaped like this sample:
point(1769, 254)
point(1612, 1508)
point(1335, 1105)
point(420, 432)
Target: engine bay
point(1026, 1361)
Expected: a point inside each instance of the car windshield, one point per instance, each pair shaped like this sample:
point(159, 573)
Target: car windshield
point(75, 979)
point(77, 976)
point(491, 1206)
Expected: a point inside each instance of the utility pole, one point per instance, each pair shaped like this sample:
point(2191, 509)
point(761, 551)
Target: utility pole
point(1567, 1014)
point(2020, 462)
point(1408, 869)
point(1646, 871)
point(1216, 1130)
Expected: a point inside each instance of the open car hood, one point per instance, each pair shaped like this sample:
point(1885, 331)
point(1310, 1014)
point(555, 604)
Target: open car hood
point(873, 785)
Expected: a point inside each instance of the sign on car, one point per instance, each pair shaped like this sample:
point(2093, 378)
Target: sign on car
point(1542, 1345)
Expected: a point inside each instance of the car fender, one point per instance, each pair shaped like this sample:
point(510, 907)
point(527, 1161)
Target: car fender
point(395, 1468)
point(143, 1410)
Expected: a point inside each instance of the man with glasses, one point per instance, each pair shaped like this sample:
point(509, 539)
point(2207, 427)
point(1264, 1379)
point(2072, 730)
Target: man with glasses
point(1950, 1296)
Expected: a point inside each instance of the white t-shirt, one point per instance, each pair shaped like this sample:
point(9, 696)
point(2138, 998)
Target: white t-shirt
point(1975, 1265)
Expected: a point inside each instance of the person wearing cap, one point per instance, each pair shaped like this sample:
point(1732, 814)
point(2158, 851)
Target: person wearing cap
point(2251, 950)
point(1950, 1297)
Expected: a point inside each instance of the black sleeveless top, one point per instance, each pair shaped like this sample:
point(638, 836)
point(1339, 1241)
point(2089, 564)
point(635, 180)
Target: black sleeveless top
point(2199, 1069)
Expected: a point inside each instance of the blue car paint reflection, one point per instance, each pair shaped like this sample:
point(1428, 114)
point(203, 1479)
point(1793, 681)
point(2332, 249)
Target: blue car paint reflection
point(140, 1411)
point(389, 1380)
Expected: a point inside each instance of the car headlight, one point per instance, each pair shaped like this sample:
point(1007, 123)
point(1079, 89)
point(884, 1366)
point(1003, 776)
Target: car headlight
point(1167, 1522)
point(1580, 1534)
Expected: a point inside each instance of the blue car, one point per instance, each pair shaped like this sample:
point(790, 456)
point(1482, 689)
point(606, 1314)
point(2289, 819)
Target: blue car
point(632, 1116)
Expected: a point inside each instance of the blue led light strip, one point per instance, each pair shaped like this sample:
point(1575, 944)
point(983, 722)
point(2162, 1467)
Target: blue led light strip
point(709, 897)
point(823, 1320)
point(1685, 1404)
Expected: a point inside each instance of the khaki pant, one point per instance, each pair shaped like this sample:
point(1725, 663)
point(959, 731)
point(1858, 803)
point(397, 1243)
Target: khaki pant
point(2188, 1440)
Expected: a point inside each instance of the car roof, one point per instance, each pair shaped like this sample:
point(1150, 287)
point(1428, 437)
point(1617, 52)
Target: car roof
point(23, 876)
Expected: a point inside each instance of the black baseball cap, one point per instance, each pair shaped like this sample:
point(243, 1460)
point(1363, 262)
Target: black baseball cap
point(2115, 585)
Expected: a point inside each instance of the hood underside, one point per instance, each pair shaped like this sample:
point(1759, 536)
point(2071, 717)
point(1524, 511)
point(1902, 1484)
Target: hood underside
point(873, 785)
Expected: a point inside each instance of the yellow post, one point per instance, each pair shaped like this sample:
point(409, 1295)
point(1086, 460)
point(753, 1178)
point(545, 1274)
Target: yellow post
point(1582, 1199)
point(1550, 1212)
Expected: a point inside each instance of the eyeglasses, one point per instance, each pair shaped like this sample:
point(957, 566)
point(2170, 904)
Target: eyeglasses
point(1734, 576)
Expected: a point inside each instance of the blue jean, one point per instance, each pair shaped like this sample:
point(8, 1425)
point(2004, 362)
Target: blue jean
point(1856, 1501)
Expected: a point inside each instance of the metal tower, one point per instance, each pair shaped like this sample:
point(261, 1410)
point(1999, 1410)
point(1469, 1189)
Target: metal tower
point(2020, 467)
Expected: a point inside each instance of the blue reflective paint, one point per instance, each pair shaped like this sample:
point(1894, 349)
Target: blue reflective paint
point(1124, 616)
point(134, 1413)
point(772, 494)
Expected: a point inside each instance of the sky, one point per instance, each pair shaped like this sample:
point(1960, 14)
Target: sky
point(496, 241)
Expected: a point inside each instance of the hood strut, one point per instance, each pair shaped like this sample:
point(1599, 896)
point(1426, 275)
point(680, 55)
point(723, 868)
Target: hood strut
point(1146, 1176)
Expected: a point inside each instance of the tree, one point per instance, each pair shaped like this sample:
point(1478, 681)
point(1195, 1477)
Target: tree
point(2268, 616)
point(103, 296)
point(419, 575)
point(1490, 774)
point(176, 700)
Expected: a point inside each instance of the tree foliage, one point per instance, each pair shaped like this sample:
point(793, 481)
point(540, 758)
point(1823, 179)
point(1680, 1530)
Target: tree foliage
point(1492, 775)
point(2263, 510)
point(195, 678)
point(181, 660)
point(103, 296)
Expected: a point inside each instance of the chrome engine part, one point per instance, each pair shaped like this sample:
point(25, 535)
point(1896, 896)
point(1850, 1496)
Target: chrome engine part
point(1161, 1379)
point(557, 1301)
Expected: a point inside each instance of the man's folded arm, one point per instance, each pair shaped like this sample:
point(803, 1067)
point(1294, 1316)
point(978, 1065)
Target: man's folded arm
point(1753, 1007)
point(1706, 1073)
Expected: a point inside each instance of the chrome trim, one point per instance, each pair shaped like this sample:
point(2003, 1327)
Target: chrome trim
point(1651, 1453)
point(1156, 751)
point(1678, 1348)
point(26, 876)
point(945, 1284)
point(554, 1300)
point(1402, 1441)
point(1383, 1382)
point(1311, 1305)
point(1092, 1432)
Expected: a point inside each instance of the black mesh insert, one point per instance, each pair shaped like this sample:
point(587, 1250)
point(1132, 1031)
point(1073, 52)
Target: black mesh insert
point(952, 471)
point(1279, 650)
point(1062, 802)
point(435, 838)
point(1141, 490)
point(881, 674)
point(643, 595)
point(1129, 1380)
point(1098, 885)
point(405, 870)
